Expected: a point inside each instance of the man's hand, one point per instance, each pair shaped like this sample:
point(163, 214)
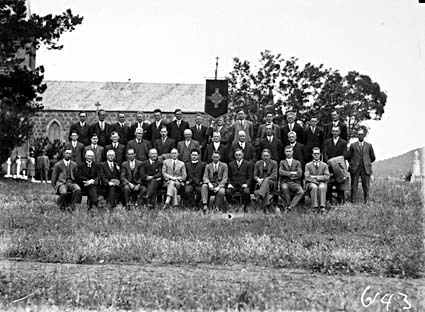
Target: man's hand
point(131, 186)
point(110, 183)
point(210, 186)
point(148, 178)
point(244, 185)
point(137, 187)
point(229, 185)
point(187, 182)
point(259, 180)
point(216, 189)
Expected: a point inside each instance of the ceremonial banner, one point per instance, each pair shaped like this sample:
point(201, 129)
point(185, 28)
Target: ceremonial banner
point(216, 98)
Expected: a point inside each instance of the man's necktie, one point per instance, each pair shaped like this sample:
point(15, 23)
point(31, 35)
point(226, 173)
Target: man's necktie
point(174, 165)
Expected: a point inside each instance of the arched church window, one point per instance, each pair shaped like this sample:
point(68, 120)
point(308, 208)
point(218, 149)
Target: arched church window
point(54, 131)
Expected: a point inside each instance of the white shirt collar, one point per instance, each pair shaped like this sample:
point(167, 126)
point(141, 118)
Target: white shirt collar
point(66, 162)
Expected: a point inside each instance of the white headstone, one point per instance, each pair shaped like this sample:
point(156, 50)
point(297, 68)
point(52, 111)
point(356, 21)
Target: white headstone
point(18, 168)
point(9, 164)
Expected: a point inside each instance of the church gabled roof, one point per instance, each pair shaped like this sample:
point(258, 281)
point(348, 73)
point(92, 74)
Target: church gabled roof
point(123, 96)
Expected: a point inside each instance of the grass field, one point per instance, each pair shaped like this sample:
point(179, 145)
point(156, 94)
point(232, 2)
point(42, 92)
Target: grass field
point(246, 261)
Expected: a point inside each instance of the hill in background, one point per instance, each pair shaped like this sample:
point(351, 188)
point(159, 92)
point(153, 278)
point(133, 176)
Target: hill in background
point(396, 166)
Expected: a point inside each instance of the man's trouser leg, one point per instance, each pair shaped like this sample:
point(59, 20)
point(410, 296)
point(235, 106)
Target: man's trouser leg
point(219, 199)
point(314, 190)
point(365, 183)
point(75, 193)
point(63, 192)
point(354, 185)
point(152, 190)
point(126, 192)
point(172, 192)
point(322, 193)
point(284, 188)
point(92, 195)
point(188, 194)
point(204, 194)
point(298, 191)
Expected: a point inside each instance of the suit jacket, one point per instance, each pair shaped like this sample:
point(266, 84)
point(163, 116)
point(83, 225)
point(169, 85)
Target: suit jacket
point(106, 174)
point(261, 134)
point(222, 175)
point(141, 149)
point(148, 169)
point(248, 127)
point(299, 154)
point(184, 151)
point(275, 147)
point(312, 140)
point(43, 162)
point(119, 152)
point(328, 131)
point(154, 131)
point(200, 136)
point(177, 133)
point(285, 169)
point(222, 149)
point(356, 154)
point(168, 171)
point(248, 151)
point(98, 152)
point(330, 150)
point(195, 172)
point(123, 132)
point(322, 172)
point(241, 175)
point(263, 172)
point(59, 173)
point(103, 135)
point(145, 127)
point(85, 173)
point(225, 134)
point(131, 176)
point(77, 152)
point(83, 133)
point(164, 148)
point(297, 129)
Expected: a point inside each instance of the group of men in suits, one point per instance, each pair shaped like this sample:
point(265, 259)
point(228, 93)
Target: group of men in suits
point(178, 156)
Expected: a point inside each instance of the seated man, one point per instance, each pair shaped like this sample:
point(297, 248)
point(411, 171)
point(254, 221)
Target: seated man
point(290, 173)
point(174, 174)
point(215, 145)
point(246, 147)
point(151, 173)
point(240, 179)
point(88, 176)
point(164, 145)
point(131, 179)
point(265, 174)
point(186, 146)
point(64, 180)
point(195, 173)
point(110, 177)
point(317, 176)
point(215, 180)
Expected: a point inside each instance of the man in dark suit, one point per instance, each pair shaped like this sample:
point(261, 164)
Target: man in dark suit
point(240, 179)
point(82, 129)
point(140, 123)
point(216, 146)
point(265, 176)
point(131, 179)
point(247, 148)
point(297, 148)
point(271, 142)
point(117, 147)
point(164, 144)
point(97, 150)
point(151, 172)
point(261, 133)
point(224, 130)
point(110, 174)
point(290, 173)
point(88, 176)
point(336, 146)
point(360, 156)
point(76, 147)
point(313, 137)
point(155, 127)
point(101, 128)
point(64, 180)
point(336, 122)
point(176, 128)
point(122, 129)
point(184, 147)
point(195, 173)
point(140, 145)
point(291, 126)
point(200, 133)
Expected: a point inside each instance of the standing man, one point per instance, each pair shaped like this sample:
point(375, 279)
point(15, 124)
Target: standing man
point(140, 123)
point(216, 146)
point(297, 148)
point(97, 150)
point(360, 156)
point(262, 129)
point(336, 122)
point(174, 174)
point(88, 176)
point(117, 147)
point(122, 129)
point(151, 172)
point(271, 142)
point(313, 137)
point(215, 180)
point(246, 147)
point(77, 148)
point(140, 145)
point(195, 173)
point(200, 133)
point(317, 176)
point(240, 179)
point(241, 124)
point(110, 175)
point(265, 175)
point(101, 128)
point(335, 146)
point(155, 127)
point(131, 179)
point(290, 173)
point(224, 130)
point(184, 147)
point(176, 128)
point(43, 165)
point(82, 129)
point(64, 180)
point(291, 126)
point(164, 144)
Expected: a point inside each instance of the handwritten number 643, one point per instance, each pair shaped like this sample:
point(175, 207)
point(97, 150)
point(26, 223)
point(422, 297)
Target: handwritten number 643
point(386, 299)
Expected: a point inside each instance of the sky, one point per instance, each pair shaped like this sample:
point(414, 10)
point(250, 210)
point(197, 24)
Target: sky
point(178, 41)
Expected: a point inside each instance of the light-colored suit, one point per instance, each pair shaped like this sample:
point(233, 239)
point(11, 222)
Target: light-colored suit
point(248, 127)
point(218, 180)
point(170, 171)
point(184, 151)
point(291, 183)
point(317, 185)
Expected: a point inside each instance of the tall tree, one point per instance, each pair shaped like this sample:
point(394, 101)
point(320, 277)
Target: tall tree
point(21, 87)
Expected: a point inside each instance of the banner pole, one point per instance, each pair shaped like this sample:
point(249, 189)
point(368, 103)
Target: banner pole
point(216, 67)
